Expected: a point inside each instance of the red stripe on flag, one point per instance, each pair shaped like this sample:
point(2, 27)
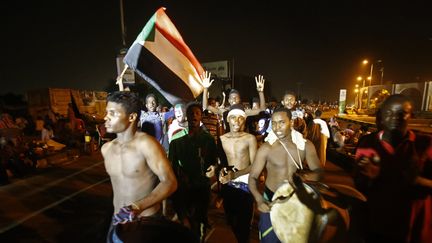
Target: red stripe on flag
point(176, 40)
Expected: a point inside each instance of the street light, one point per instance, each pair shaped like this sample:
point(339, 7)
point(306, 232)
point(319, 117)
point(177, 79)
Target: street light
point(381, 69)
point(356, 91)
point(365, 62)
point(360, 78)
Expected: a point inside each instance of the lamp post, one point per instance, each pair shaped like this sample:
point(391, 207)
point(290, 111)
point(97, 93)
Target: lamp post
point(365, 62)
point(356, 91)
point(360, 78)
point(380, 67)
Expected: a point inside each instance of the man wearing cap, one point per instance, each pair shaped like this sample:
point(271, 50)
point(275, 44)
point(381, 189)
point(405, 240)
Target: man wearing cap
point(240, 149)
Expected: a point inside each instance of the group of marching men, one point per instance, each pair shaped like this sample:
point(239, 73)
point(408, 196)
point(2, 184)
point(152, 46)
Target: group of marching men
point(206, 141)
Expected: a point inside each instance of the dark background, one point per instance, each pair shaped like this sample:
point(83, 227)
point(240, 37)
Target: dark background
point(311, 47)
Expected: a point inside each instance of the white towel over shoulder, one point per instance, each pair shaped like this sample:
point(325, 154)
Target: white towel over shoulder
point(296, 137)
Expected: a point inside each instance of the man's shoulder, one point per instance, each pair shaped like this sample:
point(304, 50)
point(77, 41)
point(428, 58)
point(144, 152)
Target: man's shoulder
point(146, 139)
point(267, 146)
point(204, 134)
point(423, 141)
point(249, 136)
point(368, 140)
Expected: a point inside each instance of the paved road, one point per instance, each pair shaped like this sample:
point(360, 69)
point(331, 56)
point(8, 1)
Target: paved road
point(73, 203)
point(68, 203)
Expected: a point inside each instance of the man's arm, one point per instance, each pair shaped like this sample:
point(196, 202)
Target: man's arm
point(158, 163)
point(255, 171)
point(313, 162)
point(206, 83)
point(423, 181)
point(260, 88)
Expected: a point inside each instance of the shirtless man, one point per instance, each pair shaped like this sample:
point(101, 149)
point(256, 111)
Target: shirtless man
point(281, 159)
point(240, 149)
point(141, 175)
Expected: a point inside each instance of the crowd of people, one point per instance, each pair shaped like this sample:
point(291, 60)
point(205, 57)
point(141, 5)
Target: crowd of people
point(166, 160)
point(26, 142)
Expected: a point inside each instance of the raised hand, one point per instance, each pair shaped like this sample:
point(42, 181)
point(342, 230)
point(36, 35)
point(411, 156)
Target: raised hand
point(259, 80)
point(206, 80)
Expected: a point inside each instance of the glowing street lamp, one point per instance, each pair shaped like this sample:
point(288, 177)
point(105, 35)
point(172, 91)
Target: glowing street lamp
point(360, 78)
point(381, 69)
point(365, 62)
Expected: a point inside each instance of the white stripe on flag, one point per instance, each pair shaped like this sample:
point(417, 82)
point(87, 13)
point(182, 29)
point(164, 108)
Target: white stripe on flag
point(176, 61)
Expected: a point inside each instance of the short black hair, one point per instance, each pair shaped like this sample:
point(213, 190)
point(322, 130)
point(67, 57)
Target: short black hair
point(318, 113)
point(394, 98)
point(191, 105)
point(233, 91)
point(289, 92)
point(283, 109)
point(129, 100)
point(151, 95)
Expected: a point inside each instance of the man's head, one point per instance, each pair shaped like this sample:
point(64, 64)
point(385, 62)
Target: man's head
point(236, 118)
point(194, 114)
point(289, 100)
point(122, 110)
point(234, 97)
point(211, 102)
point(255, 103)
point(180, 112)
point(396, 110)
point(151, 102)
point(281, 122)
point(318, 113)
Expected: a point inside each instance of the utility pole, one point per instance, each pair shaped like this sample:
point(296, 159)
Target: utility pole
point(123, 30)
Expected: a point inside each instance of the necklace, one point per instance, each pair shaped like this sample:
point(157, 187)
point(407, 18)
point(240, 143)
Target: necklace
point(299, 165)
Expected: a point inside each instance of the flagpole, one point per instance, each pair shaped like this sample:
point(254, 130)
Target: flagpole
point(122, 24)
point(120, 78)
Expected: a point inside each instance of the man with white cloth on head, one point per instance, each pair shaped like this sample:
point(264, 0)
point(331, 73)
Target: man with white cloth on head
point(240, 149)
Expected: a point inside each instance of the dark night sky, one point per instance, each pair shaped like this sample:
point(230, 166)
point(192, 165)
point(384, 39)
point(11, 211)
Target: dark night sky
point(73, 44)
